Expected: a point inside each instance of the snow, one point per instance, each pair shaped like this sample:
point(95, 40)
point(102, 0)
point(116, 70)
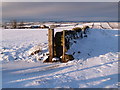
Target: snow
point(17, 43)
point(95, 64)
point(34, 50)
point(55, 59)
point(105, 25)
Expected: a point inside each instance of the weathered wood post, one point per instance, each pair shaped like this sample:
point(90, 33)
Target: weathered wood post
point(64, 47)
point(51, 44)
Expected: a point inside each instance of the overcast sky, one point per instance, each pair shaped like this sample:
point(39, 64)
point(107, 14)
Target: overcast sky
point(62, 11)
point(60, 0)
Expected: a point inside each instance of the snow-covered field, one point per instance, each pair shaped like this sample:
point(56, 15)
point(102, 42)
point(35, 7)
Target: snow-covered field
point(95, 64)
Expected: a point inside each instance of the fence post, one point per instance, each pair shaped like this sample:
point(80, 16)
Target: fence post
point(64, 48)
point(51, 44)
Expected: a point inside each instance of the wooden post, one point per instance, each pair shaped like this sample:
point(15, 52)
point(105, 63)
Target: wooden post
point(51, 44)
point(63, 56)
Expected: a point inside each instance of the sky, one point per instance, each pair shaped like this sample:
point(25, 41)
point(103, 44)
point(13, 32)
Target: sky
point(60, 0)
point(60, 11)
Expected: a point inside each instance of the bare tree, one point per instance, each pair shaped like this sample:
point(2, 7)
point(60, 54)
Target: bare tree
point(14, 24)
point(21, 24)
point(5, 25)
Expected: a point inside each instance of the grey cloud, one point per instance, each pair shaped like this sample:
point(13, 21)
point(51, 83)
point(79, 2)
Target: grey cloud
point(61, 1)
point(61, 11)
